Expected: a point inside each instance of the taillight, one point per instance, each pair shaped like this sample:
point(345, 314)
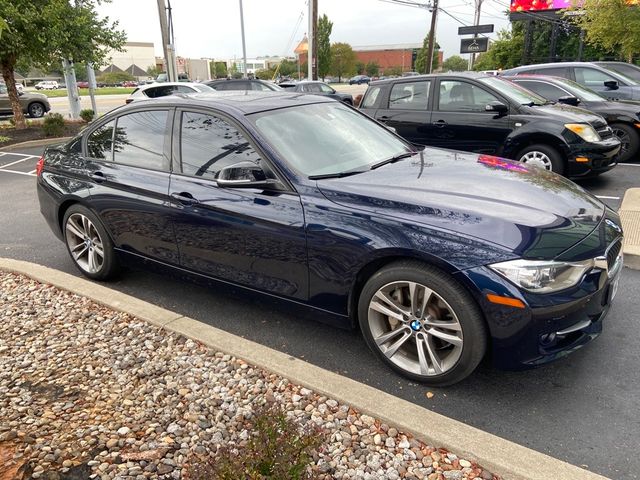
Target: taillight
point(40, 166)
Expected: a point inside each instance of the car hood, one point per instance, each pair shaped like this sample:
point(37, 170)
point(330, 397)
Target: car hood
point(34, 96)
point(533, 213)
point(631, 109)
point(568, 114)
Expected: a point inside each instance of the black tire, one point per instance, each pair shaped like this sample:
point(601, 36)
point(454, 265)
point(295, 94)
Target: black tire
point(630, 139)
point(469, 317)
point(104, 270)
point(36, 110)
point(558, 164)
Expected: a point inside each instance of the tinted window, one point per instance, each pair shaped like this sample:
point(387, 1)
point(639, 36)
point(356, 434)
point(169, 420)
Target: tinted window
point(209, 143)
point(370, 97)
point(458, 96)
point(185, 89)
point(325, 88)
point(139, 139)
point(163, 91)
point(261, 87)
point(100, 141)
point(590, 77)
point(409, 96)
point(554, 72)
point(233, 86)
point(547, 90)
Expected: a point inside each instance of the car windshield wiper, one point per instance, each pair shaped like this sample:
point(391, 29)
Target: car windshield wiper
point(346, 173)
point(392, 159)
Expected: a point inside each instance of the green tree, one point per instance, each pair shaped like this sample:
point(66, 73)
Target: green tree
point(421, 59)
point(288, 67)
point(3, 25)
point(344, 60)
point(153, 71)
point(325, 26)
point(360, 66)
point(393, 71)
point(113, 78)
point(612, 25)
point(220, 70)
point(455, 64)
point(372, 69)
point(46, 31)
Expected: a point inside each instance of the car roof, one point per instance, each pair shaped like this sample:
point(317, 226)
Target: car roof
point(168, 84)
point(413, 78)
point(243, 102)
point(554, 65)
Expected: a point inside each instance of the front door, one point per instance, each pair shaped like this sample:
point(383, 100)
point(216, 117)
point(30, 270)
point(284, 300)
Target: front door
point(247, 236)
point(460, 120)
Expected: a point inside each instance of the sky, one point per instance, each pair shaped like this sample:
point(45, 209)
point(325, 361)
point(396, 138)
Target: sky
point(211, 28)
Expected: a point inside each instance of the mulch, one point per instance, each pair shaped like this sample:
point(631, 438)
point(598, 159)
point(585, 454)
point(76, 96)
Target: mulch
point(34, 132)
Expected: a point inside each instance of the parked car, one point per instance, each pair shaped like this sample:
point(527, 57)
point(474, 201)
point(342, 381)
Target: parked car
point(622, 117)
point(439, 256)
point(608, 83)
point(82, 84)
point(156, 90)
point(487, 114)
point(317, 88)
point(47, 85)
point(223, 84)
point(20, 88)
point(163, 77)
point(630, 70)
point(359, 80)
point(129, 84)
point(33, 104)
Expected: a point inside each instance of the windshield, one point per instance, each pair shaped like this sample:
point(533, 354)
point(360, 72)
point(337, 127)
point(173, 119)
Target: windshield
point(203, 88)
point(515, 92)
point(327, 138)
point(581, 92)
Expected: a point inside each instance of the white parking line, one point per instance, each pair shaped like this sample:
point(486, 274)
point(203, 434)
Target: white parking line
point(18, 154)
point(17, 161)
point(32, 172)
point(605, 197)
point(630, 164)
point(16, 172)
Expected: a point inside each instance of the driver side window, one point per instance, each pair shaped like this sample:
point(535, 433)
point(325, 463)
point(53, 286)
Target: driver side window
point(209, 143)
point(456, 96)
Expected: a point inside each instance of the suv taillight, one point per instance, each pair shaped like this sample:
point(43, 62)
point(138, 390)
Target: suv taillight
point(40, 166)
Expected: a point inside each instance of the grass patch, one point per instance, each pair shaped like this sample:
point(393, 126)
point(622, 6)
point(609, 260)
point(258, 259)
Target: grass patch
point(4, 139)
point(85, 91)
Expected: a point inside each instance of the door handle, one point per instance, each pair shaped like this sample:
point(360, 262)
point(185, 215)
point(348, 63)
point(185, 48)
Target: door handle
point(184, 198)
point(439, 123)
point(97, 177)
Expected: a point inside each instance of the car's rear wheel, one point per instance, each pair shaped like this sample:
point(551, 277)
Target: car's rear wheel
point(542, 156)
point(36, 110)
point(88, 243)
point(630, 140)
point(422, 323)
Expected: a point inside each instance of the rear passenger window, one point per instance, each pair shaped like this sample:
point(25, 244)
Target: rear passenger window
point(209, 143)
point(139, 139)
point(100, 141)
point(409, 96)
point(370, 97)
point(157, 92)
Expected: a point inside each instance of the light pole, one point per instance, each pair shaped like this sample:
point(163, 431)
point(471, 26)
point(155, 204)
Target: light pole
point(244, 48)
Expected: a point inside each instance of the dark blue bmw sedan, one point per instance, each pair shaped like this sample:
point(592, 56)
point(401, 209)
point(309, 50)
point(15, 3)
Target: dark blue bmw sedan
point(440, 257)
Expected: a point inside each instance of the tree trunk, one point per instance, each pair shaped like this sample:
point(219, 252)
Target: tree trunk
point(7, 66)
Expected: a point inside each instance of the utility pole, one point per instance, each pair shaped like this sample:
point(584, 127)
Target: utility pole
point(167, 47)
point(314, 44)
point(91, 76)
point(311, 42)
point(476, 22)
point(432, 36)
point(244, 48)
point(72, 88)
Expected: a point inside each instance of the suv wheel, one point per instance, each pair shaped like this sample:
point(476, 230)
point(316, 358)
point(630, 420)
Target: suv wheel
point(36, 110)
point(630, 141)
point(542, 156)
point(421, 323)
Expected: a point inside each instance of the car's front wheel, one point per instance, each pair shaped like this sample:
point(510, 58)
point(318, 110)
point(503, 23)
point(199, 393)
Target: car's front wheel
point(422, 323)
point(542, 156)
point(88, 243)
point(36, 110)
point(630, 140)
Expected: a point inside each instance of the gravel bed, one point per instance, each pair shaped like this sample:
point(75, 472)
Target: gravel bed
point(88, 392)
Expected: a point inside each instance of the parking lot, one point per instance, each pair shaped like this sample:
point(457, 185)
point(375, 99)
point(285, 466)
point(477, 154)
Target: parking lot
point(581, 409)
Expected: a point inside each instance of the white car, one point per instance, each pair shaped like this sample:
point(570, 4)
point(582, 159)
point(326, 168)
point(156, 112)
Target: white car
point(156, 90)
point(47, 85)
point(20, 88)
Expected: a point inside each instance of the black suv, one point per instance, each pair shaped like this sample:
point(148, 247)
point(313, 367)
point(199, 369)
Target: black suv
point(486, 114)
point(243, 84)
point(317, 88)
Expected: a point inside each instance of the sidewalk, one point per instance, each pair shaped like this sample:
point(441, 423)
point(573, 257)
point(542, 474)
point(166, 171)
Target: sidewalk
point(102, 385)
point(630, 216)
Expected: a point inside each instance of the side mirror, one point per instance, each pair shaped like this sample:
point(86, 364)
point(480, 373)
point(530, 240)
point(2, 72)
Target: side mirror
point(569, 100)
point(611, 84)
point(244, 175)
point(497, 107)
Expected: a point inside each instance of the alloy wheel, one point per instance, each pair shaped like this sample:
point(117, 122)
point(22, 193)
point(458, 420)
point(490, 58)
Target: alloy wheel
point(625, 140)
point(84, 243)
point(36, 110)
point(415, 328)
point(537, 159)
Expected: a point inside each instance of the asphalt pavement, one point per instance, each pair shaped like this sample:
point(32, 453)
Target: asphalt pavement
point(582, 409)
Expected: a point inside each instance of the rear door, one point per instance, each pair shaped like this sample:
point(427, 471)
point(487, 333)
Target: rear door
point(128, 166)
point(460, 120)
point(247, 236)
point(594, 79)
point(407, 110)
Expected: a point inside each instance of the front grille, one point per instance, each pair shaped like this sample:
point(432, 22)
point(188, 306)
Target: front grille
point(612, 253)
point(605, 132)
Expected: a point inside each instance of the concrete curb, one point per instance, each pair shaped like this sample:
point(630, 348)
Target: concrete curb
point(630, 217)
point(36, 143)
point(502, 457)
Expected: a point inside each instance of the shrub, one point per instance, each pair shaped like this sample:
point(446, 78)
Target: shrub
point(4, 139)
point(87, 115)
point(277, 449)
point(53, 125)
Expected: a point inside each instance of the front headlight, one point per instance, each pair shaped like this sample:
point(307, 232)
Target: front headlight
point(543, 276)
point(584, 131)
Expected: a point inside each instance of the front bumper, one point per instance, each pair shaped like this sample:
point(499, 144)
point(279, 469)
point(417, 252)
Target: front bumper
point(550, 326)
point(601, 157)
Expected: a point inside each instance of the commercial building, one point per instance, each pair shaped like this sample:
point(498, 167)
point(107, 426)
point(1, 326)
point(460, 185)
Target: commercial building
point(135, 57)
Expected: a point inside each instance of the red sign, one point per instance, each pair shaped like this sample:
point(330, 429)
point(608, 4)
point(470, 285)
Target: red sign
point(542, 5)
